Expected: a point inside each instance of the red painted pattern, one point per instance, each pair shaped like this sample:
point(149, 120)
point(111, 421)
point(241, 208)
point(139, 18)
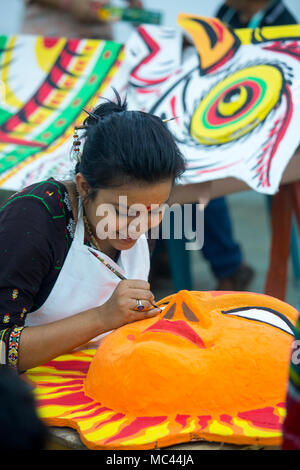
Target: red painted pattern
point(225, 59)
point(283, 129)
point(262, 418)
point(212, 117)
point(59, 384)
point(73, 399)
point(178, 328)
point(154, 50)
point(204, 421)
point(182, 420)
point(113, 419)
point(292, 48)
point(6, 139)
point(173, 108)
point(50, 42)
point(74, 365)
point(136, 426)
point(93, 414)
point(211, 170)
point(45, 89)
point(219, 29)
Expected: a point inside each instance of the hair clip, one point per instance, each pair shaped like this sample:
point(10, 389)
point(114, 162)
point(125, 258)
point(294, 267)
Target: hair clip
point(170, 119)
point(94, 116)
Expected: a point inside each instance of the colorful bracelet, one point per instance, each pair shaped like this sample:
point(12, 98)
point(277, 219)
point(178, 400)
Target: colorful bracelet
point(13, 346)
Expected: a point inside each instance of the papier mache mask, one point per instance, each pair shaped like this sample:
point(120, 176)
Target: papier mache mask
point(212, 365)
point(234, 96)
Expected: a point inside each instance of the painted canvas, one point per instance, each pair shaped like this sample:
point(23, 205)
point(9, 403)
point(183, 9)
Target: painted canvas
point(233, 96)
point(45, 83)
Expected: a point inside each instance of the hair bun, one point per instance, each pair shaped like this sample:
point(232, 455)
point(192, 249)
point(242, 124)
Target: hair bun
point(105, 109)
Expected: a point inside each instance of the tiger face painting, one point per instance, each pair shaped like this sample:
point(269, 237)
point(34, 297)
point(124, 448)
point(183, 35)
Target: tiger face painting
point(232, 96)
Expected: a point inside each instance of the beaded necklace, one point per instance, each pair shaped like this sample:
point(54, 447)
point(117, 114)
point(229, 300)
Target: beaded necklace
point(89, 231)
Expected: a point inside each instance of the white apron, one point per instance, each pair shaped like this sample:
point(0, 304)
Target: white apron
point(84, 282)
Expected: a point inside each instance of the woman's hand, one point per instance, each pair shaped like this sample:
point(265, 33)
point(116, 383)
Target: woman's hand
point(120, 309)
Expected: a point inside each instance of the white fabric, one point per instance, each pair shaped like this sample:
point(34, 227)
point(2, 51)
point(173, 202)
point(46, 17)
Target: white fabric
point(84, 282)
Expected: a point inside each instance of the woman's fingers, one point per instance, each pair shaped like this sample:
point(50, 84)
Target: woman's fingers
point(135, 284)
point(133, 305)
point(140, 294)
point(145, 314)
point(152, 313)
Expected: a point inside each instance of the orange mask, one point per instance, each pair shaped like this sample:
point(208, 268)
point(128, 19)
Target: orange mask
point(212, 365)
point(206, 353)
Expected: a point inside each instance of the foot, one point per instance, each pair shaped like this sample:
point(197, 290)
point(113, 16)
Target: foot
point(239, 281)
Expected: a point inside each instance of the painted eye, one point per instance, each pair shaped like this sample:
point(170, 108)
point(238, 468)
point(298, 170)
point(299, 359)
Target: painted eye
point(263, 315)
point(237, 104)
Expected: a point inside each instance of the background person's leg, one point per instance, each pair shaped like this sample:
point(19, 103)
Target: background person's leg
point(220, 249)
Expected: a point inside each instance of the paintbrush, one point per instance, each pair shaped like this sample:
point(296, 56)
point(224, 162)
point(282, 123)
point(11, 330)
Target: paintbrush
point(113, 270)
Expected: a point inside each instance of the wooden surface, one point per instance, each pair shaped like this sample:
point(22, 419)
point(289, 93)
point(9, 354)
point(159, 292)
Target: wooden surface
point(68, 439)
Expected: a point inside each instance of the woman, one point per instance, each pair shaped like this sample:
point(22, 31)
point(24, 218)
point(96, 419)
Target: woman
point(54, 294)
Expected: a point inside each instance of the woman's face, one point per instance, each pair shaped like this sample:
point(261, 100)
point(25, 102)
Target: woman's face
point(120, 215)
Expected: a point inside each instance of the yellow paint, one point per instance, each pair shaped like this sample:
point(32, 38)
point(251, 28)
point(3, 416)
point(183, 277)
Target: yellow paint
point(106, 431)
point(228, 109)
point(47, 56)
point(209, 55)
point(220, 429)
point(253, 431)
point(281, 412)
point(69, 132)
point(236, 127)
point(10, 98)
point(48, 411)
point(150, 434)
point(191, 426)
point(244, 35)
point(87, 424)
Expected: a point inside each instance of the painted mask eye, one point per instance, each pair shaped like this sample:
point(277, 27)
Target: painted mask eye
point(237, 104)
point(263, 315)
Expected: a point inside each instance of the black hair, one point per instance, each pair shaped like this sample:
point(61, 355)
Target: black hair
point(127, 146)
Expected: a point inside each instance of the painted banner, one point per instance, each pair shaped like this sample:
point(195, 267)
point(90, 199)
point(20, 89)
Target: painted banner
point(45, 83)
point(233, 95)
